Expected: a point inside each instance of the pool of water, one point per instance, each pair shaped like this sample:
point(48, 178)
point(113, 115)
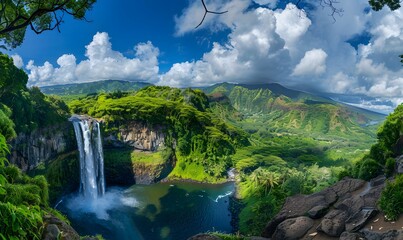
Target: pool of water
point(152, 212)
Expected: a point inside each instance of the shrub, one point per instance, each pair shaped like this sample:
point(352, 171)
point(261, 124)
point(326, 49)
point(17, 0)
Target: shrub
point(369, 168)
point(390, 166)
point(391, 201)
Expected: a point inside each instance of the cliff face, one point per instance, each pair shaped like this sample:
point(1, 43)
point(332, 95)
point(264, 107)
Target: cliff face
point(138, 135)
point(30, 149)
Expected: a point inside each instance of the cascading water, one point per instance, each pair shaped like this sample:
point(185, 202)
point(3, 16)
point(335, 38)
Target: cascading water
point(88, 135)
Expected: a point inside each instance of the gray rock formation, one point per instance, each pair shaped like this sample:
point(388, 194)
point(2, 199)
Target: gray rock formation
point(28, 150)
point(139, 136)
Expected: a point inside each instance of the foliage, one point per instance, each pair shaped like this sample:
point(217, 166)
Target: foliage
point(22, 203)
point(11, 78)
point(381, 156)
point(392, 129)
point(30, 108)
point(201, 141)
point(62, 174)
point(391, 201)
point(390, 167)
point(379, 4)
point(16, 16)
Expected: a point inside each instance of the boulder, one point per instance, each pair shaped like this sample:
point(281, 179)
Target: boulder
point(56, 227)
point(325, 198)
point(51, 232)
point(293, 228)
point(318, 211)
point(350, 205)
point(359, 219)
point(351, 236)
point(389, 235)
point(333, 224)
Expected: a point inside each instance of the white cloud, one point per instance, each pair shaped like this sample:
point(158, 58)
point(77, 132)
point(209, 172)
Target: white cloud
point(102, 63)
point(297, 49)
point(313, 63)
point(17, 60)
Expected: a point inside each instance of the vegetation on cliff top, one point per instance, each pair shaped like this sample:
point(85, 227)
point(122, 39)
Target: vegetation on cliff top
point(201, 141)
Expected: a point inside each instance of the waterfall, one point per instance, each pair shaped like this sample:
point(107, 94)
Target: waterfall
point(88, 135)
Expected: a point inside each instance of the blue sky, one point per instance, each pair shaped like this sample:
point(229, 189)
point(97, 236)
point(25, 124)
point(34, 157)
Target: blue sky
point(257, 41)
point(127, 22)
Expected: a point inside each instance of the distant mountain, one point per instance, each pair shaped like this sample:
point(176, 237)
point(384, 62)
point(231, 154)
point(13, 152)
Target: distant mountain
point(277, 108)
point(93, 87)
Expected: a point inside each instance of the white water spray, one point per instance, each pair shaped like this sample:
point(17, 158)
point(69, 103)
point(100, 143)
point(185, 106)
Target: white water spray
point(88, 135)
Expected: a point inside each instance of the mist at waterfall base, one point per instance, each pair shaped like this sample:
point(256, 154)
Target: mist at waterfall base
point(159, 211)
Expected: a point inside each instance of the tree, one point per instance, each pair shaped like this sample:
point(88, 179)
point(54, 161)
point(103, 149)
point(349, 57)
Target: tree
point(39, 15)
point(12, 79)
point(379, 4)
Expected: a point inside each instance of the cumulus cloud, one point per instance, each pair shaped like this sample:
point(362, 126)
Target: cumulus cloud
point(313, 63)
point(102, 63)
point(303, 50)
point(17, 60)
point(298, 49)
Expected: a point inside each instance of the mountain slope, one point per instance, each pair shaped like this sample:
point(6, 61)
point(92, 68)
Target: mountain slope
point(276, 108)
point(93, 87)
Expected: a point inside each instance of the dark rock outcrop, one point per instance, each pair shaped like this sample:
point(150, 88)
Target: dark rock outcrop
point(399, 162)
point(325, 198)
point(318, 211)
point(54, 228)
point(346, 206)
point(333, 223)
point(359, 219)
point(293, 228)
point(28, 150)
point(389, 235)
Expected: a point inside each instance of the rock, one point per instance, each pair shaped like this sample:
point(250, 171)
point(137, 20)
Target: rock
point(51, 232)
point(138, 135)
point(389, 235)
point(359, 219)
point(64, 231)
point(399, 162)
point(318, 211)
point(28, 150)
point(293, 228)
point(204, 236)
point(350, 205)
point(333, 224)
point(327, 197)
point(351, 236)
point(257, 238)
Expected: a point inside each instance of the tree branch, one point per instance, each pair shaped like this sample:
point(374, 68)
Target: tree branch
point(207, 11)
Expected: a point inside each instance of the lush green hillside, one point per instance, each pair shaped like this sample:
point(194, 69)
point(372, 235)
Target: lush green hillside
point(201, 142)
point(23, 200)
point(73, 91)
point(300, 143)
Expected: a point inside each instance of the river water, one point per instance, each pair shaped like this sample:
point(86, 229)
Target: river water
point(152, 212)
